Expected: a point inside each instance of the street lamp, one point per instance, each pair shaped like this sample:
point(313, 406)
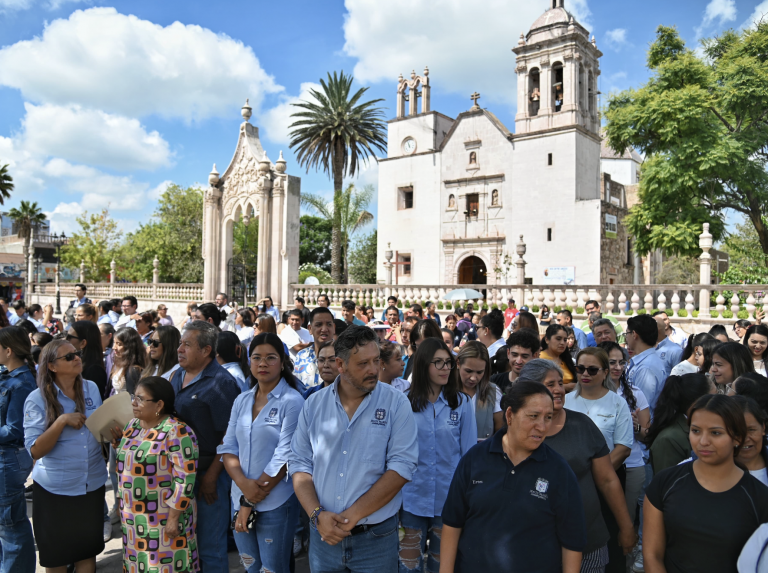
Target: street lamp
point(58, 241)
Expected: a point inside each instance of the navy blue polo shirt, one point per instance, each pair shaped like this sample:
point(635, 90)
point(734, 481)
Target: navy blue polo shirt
point(514, 519)
point(205, 405)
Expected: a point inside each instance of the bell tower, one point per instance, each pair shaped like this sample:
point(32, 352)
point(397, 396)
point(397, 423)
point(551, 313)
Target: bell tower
point(557, 70)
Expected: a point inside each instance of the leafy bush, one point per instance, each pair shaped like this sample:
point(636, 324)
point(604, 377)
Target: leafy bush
point(313, 270)
point(695, 314)
point(641, 311)
point(682, 313)
point(556, 309)
point(727, 313)
point(579, 310)
point(534, 308)
point(742, 314)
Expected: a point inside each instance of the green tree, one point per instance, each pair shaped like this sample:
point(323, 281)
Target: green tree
point(174, 235)
point(702, 123)
point(27, 218)
point(315, 235)
point(747, 263)
point(362, 259)
point(245, 242)
point(6, 184)
point(351, 214)
point(96, 243)
point(679, 271)
point(335, 133)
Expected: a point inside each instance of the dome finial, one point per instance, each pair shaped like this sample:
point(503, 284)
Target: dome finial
point(213, 177)
point(246, 111)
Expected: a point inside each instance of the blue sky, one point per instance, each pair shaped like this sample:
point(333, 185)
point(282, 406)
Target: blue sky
point(105, 103)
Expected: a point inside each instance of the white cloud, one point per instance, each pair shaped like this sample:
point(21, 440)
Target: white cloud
point(616, 38)
point(276, 120)
point(465, 48)
point(14, 5)
point(93, 137)
point(717, 11)
point(760, 12)
point(101, 59)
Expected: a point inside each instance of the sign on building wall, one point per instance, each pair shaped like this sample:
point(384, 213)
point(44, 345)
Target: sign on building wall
point(559, 276)
point(611, 226)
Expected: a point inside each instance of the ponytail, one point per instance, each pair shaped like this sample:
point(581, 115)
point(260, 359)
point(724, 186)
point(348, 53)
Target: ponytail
point(16, 339)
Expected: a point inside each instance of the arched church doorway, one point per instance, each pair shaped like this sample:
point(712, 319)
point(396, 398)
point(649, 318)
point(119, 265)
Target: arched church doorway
point(472, 271)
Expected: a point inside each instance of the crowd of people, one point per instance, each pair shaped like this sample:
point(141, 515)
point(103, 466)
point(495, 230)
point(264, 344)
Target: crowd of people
point(477, 441)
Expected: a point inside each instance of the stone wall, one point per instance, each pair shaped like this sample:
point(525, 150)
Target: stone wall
point(616, 259)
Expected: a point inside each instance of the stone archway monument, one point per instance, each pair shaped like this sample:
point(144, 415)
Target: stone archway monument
point(253, 187)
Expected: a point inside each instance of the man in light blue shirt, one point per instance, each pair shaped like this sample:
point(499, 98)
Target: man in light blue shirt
point(669, 352)
point(354, 448)
point(645, 370)
point(19, 312)
point(348, 313)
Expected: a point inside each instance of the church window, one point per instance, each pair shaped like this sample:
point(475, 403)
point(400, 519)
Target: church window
point(472, 157)
point(630, 262)
point(549, 159)
point(473, 204)
point(405, 198)
point(405, 263)
point(549, 234)
point(581, 88)
point(557, 86)
point(534, 92)
point(591, 93)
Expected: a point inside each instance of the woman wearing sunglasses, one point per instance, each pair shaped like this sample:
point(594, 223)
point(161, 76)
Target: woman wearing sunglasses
point(255, 450)
point(157, 445)
point(595, 395)
point(69, 476)
point(163, 352)
point(445, 418)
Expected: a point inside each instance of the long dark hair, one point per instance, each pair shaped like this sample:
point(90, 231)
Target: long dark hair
point(418, 394)
point(46, 381)
point(730, 412)
point(755, 386)
point(93, 355)
point(274, 341)
point(738, 356)
point(566, 357)
point(134, 352)
point(17, 340)
point(212, 312)
point(693, 342)
point(708, 346)
point(170, 338)
point(231, 349)
point(626, 388)
point(676, 397)
point(760, 330)
point(423, 329)
point(526, 320)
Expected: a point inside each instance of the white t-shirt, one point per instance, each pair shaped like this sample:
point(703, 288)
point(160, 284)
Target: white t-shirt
point(293, 337)
point(684, 367)
point(399, 384)
point(244, 333)
point(762, 475)
point(635, 459)
point(759, 366)
point(609, 413)
point(496, 404)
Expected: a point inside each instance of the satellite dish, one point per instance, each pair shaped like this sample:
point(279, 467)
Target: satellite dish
point(311, 281)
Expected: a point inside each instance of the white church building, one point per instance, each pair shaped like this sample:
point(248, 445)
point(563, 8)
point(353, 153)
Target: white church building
point(455, 195)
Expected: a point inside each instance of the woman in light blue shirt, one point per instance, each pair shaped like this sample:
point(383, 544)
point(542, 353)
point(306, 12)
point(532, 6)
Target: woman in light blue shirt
point(255, 451)
point(231, 354)
point(69, 473)
point(445, 418)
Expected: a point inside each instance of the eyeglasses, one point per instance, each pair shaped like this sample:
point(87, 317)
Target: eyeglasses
point(628, 331)
point(162, 308)
point(69, 357)
point(72, 337)
point(139, 400)
point(621, 363)
point(154, 343)
point(592, 370)
point(729, 389)
point(441, 364)
point(271, 360)
point(329, 360)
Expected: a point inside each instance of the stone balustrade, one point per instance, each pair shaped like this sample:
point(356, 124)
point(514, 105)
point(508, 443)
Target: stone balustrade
point(164, 292)
point(619, 300)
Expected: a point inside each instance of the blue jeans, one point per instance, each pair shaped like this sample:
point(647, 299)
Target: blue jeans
point(212, 525)
point(17, 544)
point(374, 551)
point(270, 543)
point(414, 543)
point(646, 483)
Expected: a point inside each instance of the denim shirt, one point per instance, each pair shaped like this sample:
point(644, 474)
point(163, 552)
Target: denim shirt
point(346, 457)
point(444, 435)
point(14, 388)
point(75, 465)
point(263, 444)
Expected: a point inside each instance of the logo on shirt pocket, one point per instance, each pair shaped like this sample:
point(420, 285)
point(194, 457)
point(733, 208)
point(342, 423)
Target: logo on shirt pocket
point(272, 413)
point(541, 488)
point(454, 416)
point(89, 403)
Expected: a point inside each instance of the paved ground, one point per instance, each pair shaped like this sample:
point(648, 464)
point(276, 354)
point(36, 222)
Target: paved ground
point(111, 559)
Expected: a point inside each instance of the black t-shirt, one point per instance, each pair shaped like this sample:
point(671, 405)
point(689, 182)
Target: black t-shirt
point(706, 531)
point(97, 375)
point(502, 381)
point(579, 442)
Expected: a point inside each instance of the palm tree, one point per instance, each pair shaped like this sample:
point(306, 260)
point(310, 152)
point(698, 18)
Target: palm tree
point(27, 218)
point(352, 214)
point(336, 134)
point(6, 184)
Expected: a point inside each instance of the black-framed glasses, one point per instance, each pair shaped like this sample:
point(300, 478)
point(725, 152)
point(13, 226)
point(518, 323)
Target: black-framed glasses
point(321, 361)
point(441, 364)
point(70, 356)
point(72, 337)
point(592, 370)
point(139, 400)
point(628, 331)
point(154, 343)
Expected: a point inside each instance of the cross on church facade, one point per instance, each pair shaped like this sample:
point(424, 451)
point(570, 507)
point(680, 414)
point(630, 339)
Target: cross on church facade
point(474, 97)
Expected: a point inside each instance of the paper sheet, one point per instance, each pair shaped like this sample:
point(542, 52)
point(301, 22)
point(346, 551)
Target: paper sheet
point(115, 411)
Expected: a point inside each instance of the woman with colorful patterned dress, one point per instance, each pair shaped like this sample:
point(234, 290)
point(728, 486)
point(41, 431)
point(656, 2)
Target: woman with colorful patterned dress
point(156, 466)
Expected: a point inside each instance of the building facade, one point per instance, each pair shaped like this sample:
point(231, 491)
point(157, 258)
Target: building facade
point(467, 188)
